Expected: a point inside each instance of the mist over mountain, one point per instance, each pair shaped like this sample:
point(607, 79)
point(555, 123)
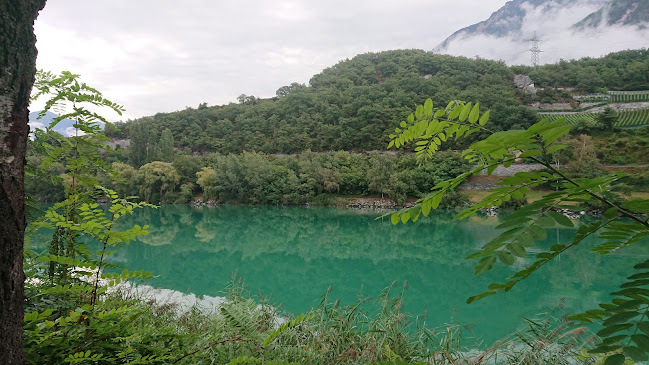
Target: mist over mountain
point(618, 12)
point(567, 29)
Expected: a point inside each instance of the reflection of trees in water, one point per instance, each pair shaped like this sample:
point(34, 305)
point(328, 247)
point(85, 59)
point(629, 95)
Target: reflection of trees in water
point(163, 226)
point(296, 253)
point(208, 226)
point(317, 232)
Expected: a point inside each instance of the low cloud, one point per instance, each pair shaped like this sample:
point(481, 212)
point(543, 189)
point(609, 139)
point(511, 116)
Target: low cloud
point(161, 56)
point(561, 45)
point(557, 39)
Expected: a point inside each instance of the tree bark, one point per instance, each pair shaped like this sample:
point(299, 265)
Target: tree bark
point(17, 69)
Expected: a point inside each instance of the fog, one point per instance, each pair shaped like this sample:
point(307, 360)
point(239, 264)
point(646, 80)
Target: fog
point(558, 40)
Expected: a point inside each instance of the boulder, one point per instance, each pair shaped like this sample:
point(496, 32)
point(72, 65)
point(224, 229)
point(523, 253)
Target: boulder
point(523, 81)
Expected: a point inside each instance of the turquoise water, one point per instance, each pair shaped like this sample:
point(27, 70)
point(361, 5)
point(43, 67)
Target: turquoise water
point(296, 253)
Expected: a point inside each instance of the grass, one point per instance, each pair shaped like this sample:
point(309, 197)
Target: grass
point(245, 329)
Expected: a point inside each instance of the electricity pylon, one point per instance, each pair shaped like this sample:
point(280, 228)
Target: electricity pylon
point(535, 50)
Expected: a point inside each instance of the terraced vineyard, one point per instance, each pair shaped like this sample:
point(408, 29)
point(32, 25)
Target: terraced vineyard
point(629, 96)
point(628, 118)
point(573, 119)
point(633, 118)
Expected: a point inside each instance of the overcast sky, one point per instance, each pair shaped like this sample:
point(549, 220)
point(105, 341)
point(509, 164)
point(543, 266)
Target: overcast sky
point(161, 56)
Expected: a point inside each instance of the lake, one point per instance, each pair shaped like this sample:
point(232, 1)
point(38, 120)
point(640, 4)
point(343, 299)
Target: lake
point(296, 253)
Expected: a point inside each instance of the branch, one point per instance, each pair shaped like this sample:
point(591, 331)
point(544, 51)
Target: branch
point(622, 211)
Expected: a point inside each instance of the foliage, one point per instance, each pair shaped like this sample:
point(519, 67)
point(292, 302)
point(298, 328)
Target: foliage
point(123, 328)
point(207, 181)
point(166, 146)
point(625, 70)
point(157, 178)
point(621, 225)
point(64, 288)
point(348, 106)
point(255, 178)
point(608, 119)
point(547, 340)
point(355, 103)
point(625, 321)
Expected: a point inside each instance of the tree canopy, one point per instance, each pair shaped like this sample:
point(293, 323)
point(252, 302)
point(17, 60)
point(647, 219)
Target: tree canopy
point(352, 105)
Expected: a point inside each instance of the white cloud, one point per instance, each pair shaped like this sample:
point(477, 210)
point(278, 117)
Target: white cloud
point(558, 41)
point(159, 56)
point(36, 125)
point(71, 132)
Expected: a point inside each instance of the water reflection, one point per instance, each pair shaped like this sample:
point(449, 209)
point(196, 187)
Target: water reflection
point(296, 253)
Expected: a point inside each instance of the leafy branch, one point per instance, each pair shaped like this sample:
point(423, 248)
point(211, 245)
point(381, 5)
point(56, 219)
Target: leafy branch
point(521, 229)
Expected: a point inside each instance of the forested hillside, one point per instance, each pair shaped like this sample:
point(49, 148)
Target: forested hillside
point(626, 70)
point(308, 143)
point(353, 104)
point(349, 106)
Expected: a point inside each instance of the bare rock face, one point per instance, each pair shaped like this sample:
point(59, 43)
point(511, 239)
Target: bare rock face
point(118, 143)
point(523, 81)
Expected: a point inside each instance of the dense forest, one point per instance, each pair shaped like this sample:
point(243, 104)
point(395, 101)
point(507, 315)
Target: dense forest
point(310, 143)
point(354, 104)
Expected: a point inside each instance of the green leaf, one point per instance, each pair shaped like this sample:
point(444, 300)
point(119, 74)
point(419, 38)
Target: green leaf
point(465, 112)
point(635, 353)
point(642, 341)
point(484, 265)
point(614, 339)
point(545, 222)
point(537, 232)
point(643, 326)
point(479, 296)
point(485, 118)
point(394, 218)
point(560, 218)
point(529, 153)
point(555, 133)
point(506, 257)
point(405, 217)
point(475, 113)
point(556, 148)
point(419, 112)
point(631, 291)
point(640, 206)
point(428, 107)
point(425, 207)
point(607, 331)
point(617, 359)
point(516, 249)
point(456, 111)
point(620, 317)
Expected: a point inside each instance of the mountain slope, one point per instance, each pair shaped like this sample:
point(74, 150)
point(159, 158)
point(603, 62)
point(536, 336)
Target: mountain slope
point(568, 29)
point(63, 127)
point(617, 12)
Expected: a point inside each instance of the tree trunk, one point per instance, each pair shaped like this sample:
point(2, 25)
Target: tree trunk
point(17, 69)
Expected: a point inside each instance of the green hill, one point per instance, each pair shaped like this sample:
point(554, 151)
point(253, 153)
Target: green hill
point(354, 104)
